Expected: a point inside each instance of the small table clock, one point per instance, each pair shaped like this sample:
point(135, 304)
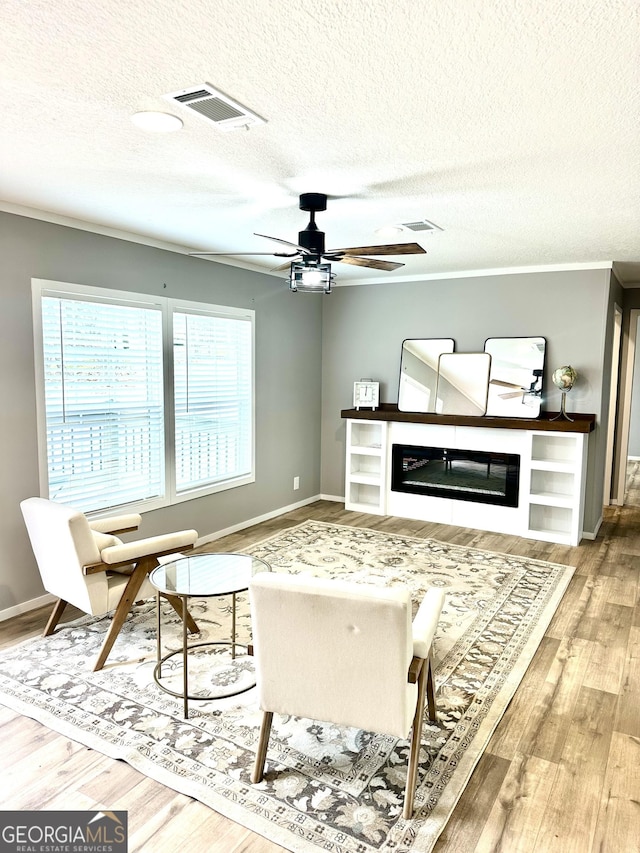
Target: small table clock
point(366, 394)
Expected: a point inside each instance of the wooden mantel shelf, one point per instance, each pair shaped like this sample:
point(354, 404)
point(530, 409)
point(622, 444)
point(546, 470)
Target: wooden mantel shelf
point(389, 412)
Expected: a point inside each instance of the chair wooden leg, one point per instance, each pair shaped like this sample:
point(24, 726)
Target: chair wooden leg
point(56, 613)
point(431, 690)
point(176, 603)
point(416, 739)
point(263, 742)
point(124, 606)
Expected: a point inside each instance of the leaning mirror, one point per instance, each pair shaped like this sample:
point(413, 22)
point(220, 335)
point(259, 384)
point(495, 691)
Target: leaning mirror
point(419, 373)
point(463, 381)
point(515, 383)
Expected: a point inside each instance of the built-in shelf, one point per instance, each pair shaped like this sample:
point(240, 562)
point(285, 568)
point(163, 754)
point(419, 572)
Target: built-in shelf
point(365, 483)
point(553, 458)
point(556, 485)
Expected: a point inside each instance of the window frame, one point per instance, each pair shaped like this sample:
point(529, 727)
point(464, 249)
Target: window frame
point(167, 306)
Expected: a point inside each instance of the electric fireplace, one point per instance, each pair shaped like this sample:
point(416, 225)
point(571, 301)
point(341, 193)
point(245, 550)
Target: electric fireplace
point(465, 475)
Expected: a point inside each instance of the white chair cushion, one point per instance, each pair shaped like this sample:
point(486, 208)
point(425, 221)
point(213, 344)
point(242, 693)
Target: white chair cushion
point(144, 547)
point(116, 582)
point(105, 540)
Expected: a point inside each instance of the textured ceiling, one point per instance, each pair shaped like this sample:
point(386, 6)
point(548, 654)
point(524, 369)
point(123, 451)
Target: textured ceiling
point(511, 124)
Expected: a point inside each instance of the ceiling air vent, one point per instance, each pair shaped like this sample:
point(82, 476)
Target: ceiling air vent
point(216, 107)
point(422, 225)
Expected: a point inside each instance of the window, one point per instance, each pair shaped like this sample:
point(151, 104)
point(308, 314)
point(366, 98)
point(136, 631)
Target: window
point(142, 401)
point(212, 381)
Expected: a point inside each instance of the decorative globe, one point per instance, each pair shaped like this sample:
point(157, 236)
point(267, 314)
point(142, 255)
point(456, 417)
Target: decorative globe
point(564, 377)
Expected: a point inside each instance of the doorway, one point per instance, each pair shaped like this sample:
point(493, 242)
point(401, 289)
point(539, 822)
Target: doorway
point(628, 432)
point(613, 405)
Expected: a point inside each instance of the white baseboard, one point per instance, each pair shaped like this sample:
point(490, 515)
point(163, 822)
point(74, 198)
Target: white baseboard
point(45, 599)
point(588, 535)
point(26, 606)
point(211, 537)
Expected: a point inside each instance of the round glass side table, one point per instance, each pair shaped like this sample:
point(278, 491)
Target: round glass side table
point(202, 576)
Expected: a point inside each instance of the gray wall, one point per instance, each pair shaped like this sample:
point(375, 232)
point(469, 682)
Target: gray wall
point(288, 376)
point(309, 350)
point(363, 328)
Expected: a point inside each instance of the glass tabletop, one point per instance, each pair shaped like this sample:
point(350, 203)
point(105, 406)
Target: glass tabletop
point(207, 574)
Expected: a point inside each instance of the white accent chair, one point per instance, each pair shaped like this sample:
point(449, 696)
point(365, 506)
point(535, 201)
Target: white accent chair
point(345, 653)
point(83, 563)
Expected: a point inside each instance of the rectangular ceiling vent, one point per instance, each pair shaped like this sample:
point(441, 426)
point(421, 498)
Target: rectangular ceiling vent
point(216, 107)
point(422, 225)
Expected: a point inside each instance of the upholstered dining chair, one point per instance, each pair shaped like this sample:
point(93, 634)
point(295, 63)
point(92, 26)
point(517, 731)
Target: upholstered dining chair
point(345, 653)
point(82, 562)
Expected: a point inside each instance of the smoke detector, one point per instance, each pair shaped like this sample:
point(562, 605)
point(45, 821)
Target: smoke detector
point(389, 231)
point(215, 107)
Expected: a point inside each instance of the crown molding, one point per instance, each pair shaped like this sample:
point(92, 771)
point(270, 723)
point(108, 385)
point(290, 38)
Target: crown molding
point(118, 234)
point(483, 273)
point(93, 227)
point(106, 231)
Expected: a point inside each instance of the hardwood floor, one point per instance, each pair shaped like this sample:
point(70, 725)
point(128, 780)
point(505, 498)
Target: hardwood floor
point(561, 772)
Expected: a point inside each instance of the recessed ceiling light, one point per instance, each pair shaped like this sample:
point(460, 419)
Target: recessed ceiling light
point(388, 231)
point(156, 122)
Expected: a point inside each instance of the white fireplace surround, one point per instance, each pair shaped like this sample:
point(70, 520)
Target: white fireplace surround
point(552, 477)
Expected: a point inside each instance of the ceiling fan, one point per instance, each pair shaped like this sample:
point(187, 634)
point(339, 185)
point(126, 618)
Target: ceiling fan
point(514, 390)
point(310, 248)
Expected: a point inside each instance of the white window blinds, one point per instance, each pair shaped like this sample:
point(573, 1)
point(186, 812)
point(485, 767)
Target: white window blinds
point(103, 375)
point(213, 398)
point(104, 402)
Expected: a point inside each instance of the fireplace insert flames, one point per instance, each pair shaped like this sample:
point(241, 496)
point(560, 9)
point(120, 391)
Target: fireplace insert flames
point(464, 475)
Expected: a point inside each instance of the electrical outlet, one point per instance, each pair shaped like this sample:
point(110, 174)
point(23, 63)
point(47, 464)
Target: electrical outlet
point(296, 483)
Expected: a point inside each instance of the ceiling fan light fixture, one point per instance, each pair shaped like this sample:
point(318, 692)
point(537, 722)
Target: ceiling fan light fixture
point(310, 276)
point(154, 121)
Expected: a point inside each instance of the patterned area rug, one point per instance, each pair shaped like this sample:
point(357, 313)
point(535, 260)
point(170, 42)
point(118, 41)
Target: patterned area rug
point(325, 788)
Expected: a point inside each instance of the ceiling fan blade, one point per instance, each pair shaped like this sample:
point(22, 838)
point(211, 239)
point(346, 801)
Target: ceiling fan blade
point(504, 384)
point(373, 263)
point(286, 243)
point(285, 266)
point(389, 249)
